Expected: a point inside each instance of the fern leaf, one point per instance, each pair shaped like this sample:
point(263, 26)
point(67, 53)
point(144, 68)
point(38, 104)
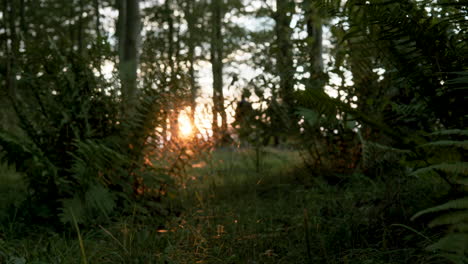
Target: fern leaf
point(450, 218)
point(100, 198)
point(451, 132)
point(456, 243)
point(456, 168)
point(462, 181)
point(17, 150)
point(447, 143)
point(381, 147)
point(462, 227)
point(73, 210)
point(454, 204)
point(453, 258)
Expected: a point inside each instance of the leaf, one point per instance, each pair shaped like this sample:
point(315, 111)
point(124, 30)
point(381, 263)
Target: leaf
point(454, 204)
point(456, 168)
point(462, 181)
point(454, 258)
point(16, 260)
point(447, 143)
point(451, 218)
point(310, 116)
point(99, 197)
point(455, 243)
point(72, 210)
point(455, 132)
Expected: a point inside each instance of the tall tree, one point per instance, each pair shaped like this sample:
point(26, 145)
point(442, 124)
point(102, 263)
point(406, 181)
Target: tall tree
point(314, 44)
point(128, 32)
point(217, 68)
point(284, 51)
point(11, 48)
point(191, 24)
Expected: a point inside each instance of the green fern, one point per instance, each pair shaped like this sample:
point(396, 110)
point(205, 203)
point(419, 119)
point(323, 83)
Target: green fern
point(455, 204)
point(452, 168)
point(446, 143)
point(73, 210)
point(448, 132)
point(97, 201)
point(100, 198)
point(379, 155)
point(451, 218)
point(454, 213)
point(453, 244)
point(12, 188)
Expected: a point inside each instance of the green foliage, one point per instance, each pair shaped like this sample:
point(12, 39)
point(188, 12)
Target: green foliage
point(454, 213)
point(233, 215)
point(13, 191)
point(418, 45)
point(83, 208)
point(77, 152)
point(328, 132)
point(452, 168)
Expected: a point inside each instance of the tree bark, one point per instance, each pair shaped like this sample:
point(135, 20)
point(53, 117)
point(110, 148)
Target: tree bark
point(217, 70)
point(191, 59)
point(12, 51)
point(284, 57)
point(80, 29)
point(314, 44)
point(173, 107)
point(23, 25)
point(98, 19)
point(128, 26)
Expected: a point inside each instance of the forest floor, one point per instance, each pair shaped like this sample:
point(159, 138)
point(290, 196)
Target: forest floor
point(234, 211)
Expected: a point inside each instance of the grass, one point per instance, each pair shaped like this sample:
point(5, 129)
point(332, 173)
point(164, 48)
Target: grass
point(235, 211)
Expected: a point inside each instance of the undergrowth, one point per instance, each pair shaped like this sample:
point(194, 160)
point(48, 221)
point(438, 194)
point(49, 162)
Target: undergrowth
point(233, 214)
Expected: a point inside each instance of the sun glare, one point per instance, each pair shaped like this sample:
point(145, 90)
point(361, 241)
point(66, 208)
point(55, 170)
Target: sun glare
point(185, 126)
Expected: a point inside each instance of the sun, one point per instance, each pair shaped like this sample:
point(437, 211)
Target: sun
point(185, 124)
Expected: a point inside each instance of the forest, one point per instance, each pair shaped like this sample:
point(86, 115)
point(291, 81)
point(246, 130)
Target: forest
point(233, 131)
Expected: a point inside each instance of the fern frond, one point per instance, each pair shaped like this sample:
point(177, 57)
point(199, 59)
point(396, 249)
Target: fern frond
point(100, 198)
point(462, 227)
point(451, 132)
point(73, 210)
point(17, 150)
point(462, 181)
point(451, 218)
point(446, 143)
point(454, 204)
point(381, 147)
point(455, 168)
point(92, 156)
point(454, 258)
point(454, 242)
point(461, 79)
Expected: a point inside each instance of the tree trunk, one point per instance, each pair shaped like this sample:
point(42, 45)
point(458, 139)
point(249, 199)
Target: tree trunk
point(23, 25)
point(284, 63)
point(128, 26)
point(71, 31)
point(12, 51)
point(80, 29)
point(98, 20)
point(171, 56)
point(191, 59)
point(314, 43)
point(217, 69)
